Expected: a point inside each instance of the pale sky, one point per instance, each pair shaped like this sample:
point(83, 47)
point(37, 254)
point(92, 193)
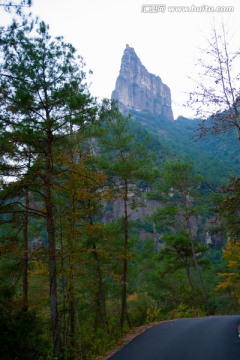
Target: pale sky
point(166, 42)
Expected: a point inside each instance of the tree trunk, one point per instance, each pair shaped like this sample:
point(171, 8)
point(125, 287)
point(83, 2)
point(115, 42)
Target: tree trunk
point(101, 301)
point(71, 287)
point(125, 263)
point(101, 294)
point(198, 268)
point(190, 280)
point(63, 293)
point(72, 321)
point(52, 271)
point(25, 251)
point(51, 246)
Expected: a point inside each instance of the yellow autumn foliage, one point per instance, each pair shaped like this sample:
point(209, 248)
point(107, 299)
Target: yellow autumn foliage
point(133, 297)
point(231, 280)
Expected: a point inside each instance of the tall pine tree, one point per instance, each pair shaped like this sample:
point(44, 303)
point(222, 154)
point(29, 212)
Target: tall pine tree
point(43, 100)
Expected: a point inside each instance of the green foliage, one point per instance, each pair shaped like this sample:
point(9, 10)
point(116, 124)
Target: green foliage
point(177, 251)
point(143, 309)
point(228, 209)
point(43, 95)
point(216, 157)
point(22, 333)
point(130, 158)
point(96, 342)
point(178, 187)
point(186, 311)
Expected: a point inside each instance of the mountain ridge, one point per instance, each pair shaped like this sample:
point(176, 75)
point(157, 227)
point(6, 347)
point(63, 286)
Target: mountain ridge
point(215, 157)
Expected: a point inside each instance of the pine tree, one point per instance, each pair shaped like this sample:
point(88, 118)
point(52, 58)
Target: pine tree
point(179, 189)
point(126, 162)
point(43, 96)
point(79, 192)
point(177, 254)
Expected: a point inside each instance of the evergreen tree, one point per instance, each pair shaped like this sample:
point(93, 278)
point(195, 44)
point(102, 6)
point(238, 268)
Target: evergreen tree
point(43, 99)
point(126, 162)
point(177, 254)
point(179, 189)
point(79, 193)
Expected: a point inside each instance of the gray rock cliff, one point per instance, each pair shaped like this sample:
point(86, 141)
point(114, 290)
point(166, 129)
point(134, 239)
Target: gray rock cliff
point(136, 89)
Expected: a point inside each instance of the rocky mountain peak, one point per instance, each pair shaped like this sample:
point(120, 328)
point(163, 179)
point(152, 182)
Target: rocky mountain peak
point(137, 89)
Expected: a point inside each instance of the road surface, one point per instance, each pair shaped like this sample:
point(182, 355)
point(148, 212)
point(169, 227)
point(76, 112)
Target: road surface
point(211, 338)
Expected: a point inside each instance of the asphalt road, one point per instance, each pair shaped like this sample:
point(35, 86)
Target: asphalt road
point(211, 338)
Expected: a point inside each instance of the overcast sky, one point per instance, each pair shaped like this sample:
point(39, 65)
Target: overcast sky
point(166, 42)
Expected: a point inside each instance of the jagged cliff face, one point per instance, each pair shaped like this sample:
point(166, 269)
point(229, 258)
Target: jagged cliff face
point(136, 89)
